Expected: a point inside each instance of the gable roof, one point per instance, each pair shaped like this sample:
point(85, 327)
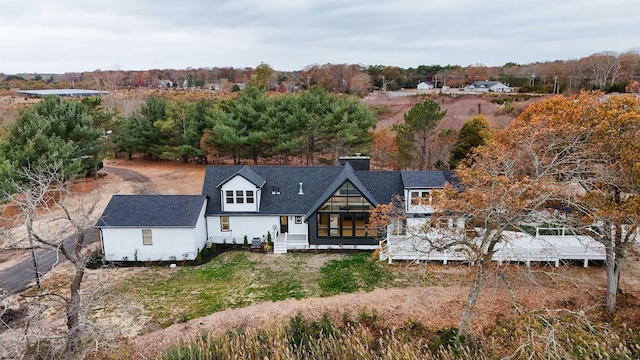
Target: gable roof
point(347, 174)
point(248, 174)
point(151, 211)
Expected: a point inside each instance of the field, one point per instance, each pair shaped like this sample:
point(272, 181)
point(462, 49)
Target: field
point(139, 308)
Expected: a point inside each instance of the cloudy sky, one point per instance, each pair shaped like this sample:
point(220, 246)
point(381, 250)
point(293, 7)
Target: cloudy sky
point(45, 36)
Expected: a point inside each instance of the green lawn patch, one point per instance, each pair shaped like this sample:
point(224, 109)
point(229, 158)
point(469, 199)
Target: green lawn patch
point(354, 273)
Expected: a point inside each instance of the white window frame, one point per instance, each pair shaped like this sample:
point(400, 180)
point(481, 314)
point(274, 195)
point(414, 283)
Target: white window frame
point(147, 237)
point(224, 224)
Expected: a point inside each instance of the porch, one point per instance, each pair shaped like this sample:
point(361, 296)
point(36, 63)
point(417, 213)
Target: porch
point(289, 241)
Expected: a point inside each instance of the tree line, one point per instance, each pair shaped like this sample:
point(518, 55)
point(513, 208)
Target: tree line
point(606, 71)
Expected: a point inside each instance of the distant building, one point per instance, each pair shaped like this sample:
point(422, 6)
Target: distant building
point(62, 92)
point(488, 86)
point(425, 86)
point(165, 83)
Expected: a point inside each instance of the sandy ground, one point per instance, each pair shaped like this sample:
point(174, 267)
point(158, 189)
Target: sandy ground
point(459, 109)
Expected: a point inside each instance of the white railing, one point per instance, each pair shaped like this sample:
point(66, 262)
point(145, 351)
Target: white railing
point(518, 247)
point(290, 241)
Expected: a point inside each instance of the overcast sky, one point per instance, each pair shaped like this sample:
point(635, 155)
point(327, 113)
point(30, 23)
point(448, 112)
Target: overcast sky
point(72, 36)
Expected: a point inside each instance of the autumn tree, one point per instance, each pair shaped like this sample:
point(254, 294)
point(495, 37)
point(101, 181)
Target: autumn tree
point(415, 134)
point(262, 76)
point(383, 149)
point(598, 140)
point(579, 154)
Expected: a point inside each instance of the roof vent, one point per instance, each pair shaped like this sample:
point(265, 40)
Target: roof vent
point(300, 192)
point(275, 190)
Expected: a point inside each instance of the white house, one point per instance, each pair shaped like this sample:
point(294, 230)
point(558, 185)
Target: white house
point(424, 86)
point(303, 207)
point(153, 227)
point(299, 207)
point(488, 86)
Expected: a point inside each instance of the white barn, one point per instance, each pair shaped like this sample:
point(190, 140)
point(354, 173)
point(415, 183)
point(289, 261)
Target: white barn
point(153, 227)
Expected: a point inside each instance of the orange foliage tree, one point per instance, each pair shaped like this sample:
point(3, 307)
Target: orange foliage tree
point(580, 154)
point(384, 149)
point(597, 145)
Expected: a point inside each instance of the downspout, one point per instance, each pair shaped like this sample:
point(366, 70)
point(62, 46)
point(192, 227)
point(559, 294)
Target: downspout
point(206, 223)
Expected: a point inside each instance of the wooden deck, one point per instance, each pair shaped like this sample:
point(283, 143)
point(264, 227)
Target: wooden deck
point(519, 247)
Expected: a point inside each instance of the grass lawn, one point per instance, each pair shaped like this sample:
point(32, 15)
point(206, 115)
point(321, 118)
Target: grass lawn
point(238, 279)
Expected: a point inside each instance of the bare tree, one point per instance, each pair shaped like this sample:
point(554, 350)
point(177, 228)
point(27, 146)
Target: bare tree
point(46, 190)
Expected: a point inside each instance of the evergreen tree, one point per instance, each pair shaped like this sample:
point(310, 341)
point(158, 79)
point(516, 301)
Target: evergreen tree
point(49, 131)
point(473, 133)
point(414, 136)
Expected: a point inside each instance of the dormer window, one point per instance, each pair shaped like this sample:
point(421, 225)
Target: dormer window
point(241, 192)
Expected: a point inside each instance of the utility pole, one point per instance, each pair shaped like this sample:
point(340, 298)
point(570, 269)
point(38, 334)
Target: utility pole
point(384, 84)
point(555, 85)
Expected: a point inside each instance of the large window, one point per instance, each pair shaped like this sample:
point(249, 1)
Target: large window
point(229, 196)
point(224, 223)
point(345, 214)
point(249, 194)
point(146, 237)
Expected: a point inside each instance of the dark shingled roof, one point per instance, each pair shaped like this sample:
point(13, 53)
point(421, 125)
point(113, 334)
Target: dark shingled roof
point(152, 211)
point(423, 179)
point(248, 174)
point(319, 183)
point(315, 181)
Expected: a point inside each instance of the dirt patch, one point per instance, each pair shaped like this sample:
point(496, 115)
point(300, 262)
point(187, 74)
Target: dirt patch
point(459, 109)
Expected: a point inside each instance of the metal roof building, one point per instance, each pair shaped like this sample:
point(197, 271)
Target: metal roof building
point(62, 92)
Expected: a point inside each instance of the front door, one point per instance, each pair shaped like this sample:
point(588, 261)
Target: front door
point(284, 224)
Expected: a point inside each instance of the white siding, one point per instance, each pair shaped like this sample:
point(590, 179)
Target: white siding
point(250, 225)
point(294, 228)
point(181, 243)
point(239, 183)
